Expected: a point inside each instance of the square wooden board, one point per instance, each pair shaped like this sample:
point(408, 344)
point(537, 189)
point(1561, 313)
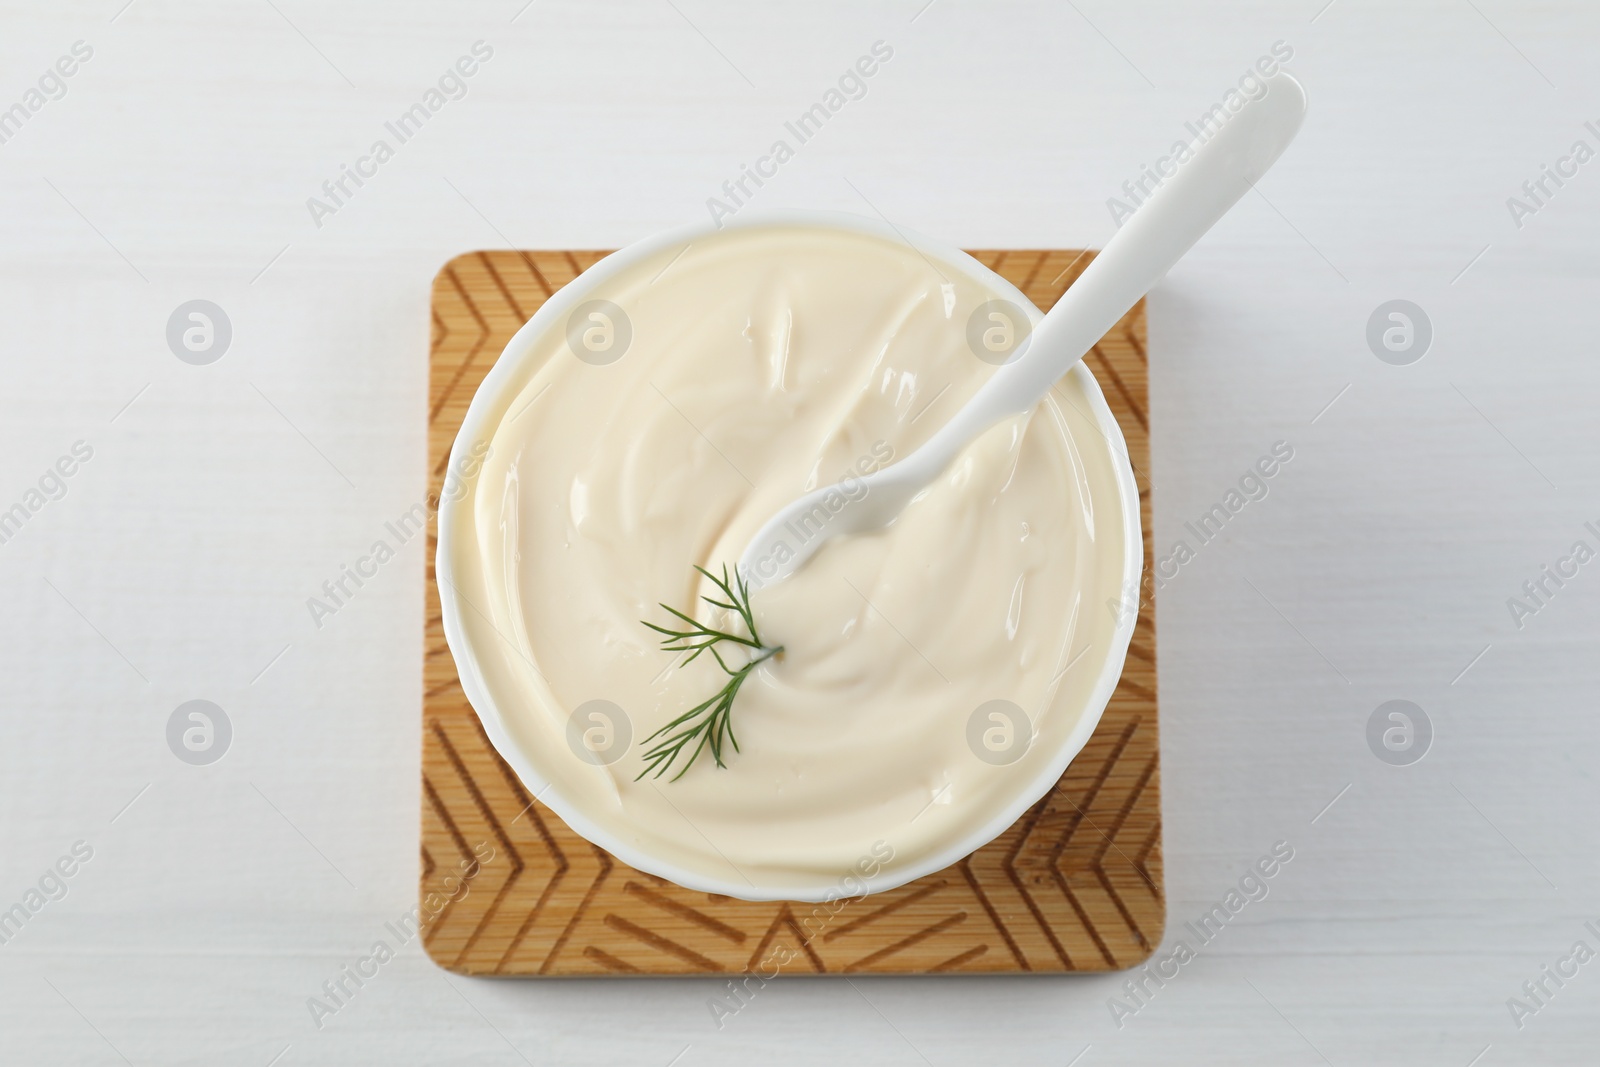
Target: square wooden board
point(1075, 885)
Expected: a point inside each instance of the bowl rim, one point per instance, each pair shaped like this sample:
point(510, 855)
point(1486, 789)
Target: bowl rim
point(475, 427)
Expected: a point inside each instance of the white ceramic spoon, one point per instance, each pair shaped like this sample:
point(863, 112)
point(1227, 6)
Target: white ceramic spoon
point(1221, 169)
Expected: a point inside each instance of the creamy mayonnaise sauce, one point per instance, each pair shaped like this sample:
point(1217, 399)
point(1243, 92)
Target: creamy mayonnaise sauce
point(763, 362)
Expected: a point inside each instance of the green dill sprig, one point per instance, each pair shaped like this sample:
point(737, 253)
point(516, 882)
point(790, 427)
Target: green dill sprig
point(709, 725)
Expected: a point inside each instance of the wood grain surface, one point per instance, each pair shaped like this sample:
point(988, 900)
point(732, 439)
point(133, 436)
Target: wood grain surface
point(506, 888)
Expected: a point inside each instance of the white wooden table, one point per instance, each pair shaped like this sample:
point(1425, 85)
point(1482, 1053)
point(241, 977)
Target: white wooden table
point(174, 564)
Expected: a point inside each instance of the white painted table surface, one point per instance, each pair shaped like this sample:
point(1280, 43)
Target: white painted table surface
point(177, 566)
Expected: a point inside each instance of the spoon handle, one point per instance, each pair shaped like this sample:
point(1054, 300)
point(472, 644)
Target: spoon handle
point(1222, 166)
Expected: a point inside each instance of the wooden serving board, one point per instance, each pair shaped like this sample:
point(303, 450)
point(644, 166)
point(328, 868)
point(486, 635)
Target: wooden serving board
point(1075, 885)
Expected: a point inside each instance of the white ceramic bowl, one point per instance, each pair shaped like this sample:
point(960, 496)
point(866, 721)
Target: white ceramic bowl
point(509, 370)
